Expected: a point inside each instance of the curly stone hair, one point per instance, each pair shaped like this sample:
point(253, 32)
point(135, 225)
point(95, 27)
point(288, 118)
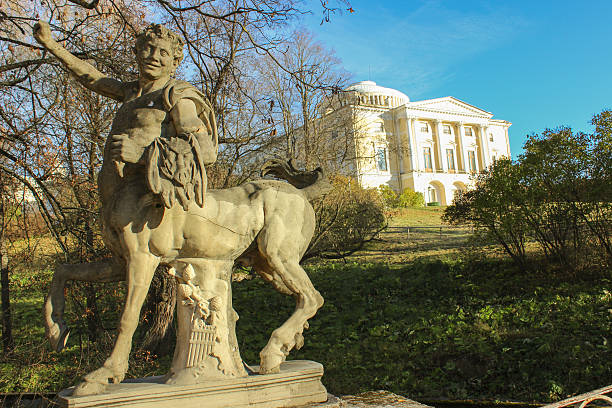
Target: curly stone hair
point(159, 31)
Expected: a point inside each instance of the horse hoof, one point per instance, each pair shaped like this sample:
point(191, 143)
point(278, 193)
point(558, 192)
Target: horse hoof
point(270, 362)
point(58, 336)
point(97, 381)
point(88, 388)
point(63, 339)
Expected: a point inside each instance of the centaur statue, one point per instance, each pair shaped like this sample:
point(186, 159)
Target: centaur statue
point(156, 210)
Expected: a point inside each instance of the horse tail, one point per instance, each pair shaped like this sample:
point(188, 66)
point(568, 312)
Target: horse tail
point(313, 184)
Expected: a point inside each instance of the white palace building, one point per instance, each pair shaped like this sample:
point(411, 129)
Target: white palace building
point(430, 146)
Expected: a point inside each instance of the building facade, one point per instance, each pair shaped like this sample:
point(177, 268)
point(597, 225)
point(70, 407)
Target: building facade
point(431, 146)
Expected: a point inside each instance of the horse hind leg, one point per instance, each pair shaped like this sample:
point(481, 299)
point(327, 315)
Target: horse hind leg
point(56, 329)
point(262, 268)
point(289, 334)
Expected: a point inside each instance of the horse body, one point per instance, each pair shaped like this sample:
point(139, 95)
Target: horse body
point(265, 224)
point(225, 227)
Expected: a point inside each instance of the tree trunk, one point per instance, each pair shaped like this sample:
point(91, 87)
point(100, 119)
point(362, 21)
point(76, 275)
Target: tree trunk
point(7, 326)
point(93, 321)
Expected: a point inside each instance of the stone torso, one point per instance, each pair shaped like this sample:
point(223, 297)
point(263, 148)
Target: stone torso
point(142, 117)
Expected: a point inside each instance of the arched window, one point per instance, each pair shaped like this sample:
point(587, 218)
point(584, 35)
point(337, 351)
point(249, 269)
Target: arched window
point(427, 158)
point(381, 159)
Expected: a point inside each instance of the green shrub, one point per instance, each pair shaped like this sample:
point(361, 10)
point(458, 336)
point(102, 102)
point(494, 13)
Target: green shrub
point(347, 218)
point(407, 199)
point(433, 204)
point(411, 198)
point(388, 196)
point(557, 194)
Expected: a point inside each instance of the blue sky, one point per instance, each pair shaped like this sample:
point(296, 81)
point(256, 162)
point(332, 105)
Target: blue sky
point(536, 63)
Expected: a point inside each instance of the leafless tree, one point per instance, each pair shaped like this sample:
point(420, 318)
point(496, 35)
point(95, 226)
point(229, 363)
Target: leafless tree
point(52, 133)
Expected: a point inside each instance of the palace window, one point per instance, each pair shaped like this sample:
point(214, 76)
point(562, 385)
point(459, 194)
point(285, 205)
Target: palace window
point(468, 131)
point(450, 159)
point(472, 160)
point(381, 159)
point(424, 127)
point(490, 137)
point(427, 157)
point(446, 129)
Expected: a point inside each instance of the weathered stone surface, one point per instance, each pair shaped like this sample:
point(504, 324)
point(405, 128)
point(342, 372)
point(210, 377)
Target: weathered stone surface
point(156, 210)
point(332, 402)
point(379, 399)
point(297, 384)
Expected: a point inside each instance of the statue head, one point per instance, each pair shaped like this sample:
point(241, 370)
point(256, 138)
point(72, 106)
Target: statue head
point(159, 51)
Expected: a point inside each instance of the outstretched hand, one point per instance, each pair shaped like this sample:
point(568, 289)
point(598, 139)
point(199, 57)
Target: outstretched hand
point(42, 32)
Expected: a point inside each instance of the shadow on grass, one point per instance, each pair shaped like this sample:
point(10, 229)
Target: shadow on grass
point(396, 245)
point(434, 329)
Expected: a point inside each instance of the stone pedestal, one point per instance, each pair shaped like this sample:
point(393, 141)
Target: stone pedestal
point(206, 345)
point(297, 384)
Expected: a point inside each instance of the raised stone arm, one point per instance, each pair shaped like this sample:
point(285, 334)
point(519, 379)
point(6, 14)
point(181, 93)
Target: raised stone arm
point(85, 73)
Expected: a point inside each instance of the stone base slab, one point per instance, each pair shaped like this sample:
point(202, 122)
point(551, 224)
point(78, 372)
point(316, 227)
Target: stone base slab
point(297, 384)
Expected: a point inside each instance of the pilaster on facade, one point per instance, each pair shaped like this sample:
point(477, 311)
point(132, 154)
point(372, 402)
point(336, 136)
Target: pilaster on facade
point(507, 141)
point(464, 154)
point(414, 157)
point(477, 167)
point(400, 149)
point(438, 143)
point(484, 143)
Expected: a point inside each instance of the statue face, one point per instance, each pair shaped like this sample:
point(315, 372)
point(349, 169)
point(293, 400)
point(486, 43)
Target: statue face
point(156, 59)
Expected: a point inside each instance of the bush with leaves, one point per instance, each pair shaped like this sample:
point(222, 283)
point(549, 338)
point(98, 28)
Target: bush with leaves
point(411, 198)
point(558, 193)
point(347, 218)
point(494, 207)
point(388, 196)
point(407, 199)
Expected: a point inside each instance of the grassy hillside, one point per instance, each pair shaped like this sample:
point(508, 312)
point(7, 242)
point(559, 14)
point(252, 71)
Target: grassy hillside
point(442, 329)
point(421, 312)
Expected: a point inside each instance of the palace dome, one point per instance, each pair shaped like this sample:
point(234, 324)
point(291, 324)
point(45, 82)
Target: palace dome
point(369, 88)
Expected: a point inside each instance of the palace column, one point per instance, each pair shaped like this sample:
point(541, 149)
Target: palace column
point(400, 148)
point(414, 157)
point(438, 143)
point(463, 153)
point(484, 146)
point(507, 142)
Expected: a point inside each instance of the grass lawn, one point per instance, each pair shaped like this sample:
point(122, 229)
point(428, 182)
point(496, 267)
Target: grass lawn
point(439, 329)
point(402, 217)
point(415, 233)
point(420, 313)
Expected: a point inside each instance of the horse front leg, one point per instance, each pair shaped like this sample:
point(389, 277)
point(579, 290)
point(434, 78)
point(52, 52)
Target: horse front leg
point(140, 269)
point(56, 329)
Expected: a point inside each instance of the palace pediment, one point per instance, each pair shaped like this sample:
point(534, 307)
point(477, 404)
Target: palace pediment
point(449, 105)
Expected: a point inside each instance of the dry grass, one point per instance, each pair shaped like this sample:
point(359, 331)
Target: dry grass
point(415, 233)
